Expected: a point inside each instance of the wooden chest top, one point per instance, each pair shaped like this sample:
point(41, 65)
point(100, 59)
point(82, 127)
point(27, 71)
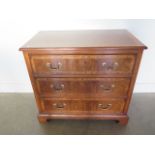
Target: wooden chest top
point(83, 38)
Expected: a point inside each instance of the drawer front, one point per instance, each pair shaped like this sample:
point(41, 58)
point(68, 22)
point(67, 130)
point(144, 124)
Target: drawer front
point(83, 87)
point(50, 65)
point(83, 106)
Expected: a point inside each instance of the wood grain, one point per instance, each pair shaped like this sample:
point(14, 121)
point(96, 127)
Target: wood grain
point(83, 38)
point(83, 74)
point(76, 106)
point(49, 65)
point(83, 87)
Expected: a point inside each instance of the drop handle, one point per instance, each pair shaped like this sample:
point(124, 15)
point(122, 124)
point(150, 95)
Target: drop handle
point(107, 88)
point(110, 66)
point(54, 66)
point(57, 87)
point(59, 105)
point(104, 106)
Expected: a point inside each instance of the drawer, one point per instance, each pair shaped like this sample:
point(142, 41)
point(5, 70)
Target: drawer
point(83, 106)
point(51, 65)
point(83, 87)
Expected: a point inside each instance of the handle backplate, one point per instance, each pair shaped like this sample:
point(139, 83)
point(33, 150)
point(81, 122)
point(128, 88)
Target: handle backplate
point(110, 66)
point(107, 87)
point(54, 66)
point(57, 87)
point(104, 106)
point(59, 105)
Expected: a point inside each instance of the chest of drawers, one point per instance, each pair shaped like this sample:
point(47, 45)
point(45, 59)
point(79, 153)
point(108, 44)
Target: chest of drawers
point(83, 74)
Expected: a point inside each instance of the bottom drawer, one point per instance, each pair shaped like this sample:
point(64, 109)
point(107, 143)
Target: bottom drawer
point(111, 106)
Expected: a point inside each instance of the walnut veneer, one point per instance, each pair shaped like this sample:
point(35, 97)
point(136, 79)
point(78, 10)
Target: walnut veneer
point(83, 74)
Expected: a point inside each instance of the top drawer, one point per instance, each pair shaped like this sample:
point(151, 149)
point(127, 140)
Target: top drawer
point(72, 65)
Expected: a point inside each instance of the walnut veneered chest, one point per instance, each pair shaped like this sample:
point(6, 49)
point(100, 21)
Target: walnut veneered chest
point(85, 74)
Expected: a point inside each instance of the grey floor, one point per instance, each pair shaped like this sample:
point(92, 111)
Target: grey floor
point(18, 116)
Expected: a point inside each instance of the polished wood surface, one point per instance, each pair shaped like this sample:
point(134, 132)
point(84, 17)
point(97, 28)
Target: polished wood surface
point(83, 38)
point(83, 74)
point(76, 106)
point(48, 65)
point(83, 87)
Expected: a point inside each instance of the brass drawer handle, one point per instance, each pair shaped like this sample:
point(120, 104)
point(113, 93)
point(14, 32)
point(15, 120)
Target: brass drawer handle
point(110, 66)
point(54, 66)
point(107, 88)
point(104, 106)
point(59, 105)
point(57, 87)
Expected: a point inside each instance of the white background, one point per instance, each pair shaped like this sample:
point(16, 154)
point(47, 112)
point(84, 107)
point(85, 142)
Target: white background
point(18, 23)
